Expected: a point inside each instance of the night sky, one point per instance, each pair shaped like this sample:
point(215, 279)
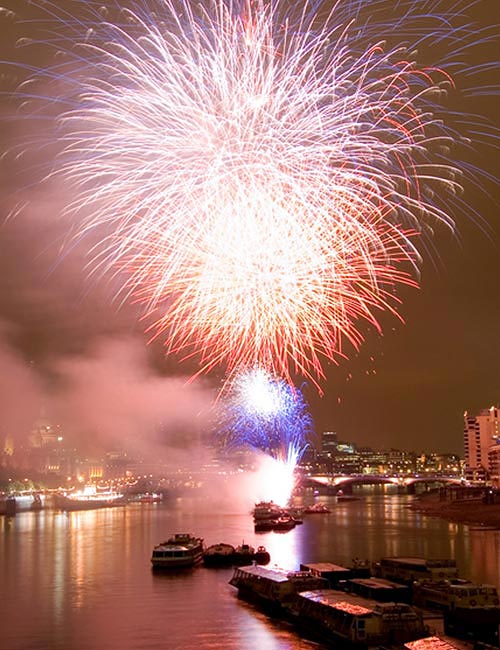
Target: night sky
point(406, 389)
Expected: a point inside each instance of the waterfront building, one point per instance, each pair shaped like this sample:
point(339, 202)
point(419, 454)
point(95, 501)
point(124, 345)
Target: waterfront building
point(481, 432)
point(494, 463)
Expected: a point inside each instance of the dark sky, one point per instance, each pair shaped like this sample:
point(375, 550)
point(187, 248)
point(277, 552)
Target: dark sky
point(406, 389)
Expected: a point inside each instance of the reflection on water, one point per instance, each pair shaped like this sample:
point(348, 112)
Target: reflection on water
point(485, 555)
point(83, 581)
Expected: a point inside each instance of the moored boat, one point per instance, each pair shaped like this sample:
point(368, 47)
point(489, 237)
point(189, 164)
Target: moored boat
point(272, 589)
point(284, 522)
point(347, 620)
point(266, 510)
point(470, 610)
point(264, 525)
point(409, 569)
point(183, 550)
point(262, 555)
point(329, 615)
point(317, 508)
point(296, 513)
point(245, 554)
point(219, 555)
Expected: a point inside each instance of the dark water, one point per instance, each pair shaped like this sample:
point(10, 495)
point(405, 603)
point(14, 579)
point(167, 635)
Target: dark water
point(82, 580)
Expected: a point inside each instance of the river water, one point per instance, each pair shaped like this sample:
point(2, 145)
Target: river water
point(82, 580)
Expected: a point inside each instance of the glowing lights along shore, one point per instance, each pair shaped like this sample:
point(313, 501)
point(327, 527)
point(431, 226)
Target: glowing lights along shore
point(260, 177)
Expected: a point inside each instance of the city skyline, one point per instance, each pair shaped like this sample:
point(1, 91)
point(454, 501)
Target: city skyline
point(66, 343)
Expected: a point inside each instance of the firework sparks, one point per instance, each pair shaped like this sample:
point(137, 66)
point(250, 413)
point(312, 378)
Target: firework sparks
point(266, 414)
point(257, 175)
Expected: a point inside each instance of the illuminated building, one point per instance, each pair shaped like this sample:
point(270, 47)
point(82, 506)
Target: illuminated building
point(480, 433)
point(329, 442)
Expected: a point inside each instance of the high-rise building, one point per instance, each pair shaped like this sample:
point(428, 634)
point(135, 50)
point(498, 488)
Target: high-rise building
point(480, 433)
point(329, 442)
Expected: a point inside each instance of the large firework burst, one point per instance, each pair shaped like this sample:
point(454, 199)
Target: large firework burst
point(255, 173)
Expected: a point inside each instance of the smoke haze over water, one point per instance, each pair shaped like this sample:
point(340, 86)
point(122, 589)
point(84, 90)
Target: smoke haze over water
point(109, 398)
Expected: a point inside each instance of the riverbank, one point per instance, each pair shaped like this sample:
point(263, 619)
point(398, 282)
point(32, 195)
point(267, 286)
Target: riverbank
point(472, 512)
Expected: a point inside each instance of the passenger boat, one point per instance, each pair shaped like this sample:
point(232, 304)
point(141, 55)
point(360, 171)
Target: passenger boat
point(272, 589)
point(88, 499)
point(410, 569)
point(266, 510)
point(180, 551)
point(347, 620)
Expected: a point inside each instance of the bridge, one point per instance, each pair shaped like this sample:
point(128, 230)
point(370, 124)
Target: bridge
point(332, 484)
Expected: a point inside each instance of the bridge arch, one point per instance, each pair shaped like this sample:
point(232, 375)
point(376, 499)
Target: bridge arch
point(333, 484)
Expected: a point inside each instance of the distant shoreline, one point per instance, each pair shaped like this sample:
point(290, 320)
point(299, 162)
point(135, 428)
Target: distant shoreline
point(472, 512)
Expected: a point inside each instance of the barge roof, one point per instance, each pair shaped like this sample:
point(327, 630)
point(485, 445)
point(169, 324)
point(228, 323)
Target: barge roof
point(341, 600)
point(276, 574)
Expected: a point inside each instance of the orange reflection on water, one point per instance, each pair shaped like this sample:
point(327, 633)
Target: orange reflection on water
point(484, 555)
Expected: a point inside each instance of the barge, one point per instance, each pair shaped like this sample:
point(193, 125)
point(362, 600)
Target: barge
point(348, 620)
point(470, 610)
point(410, 569)
point(224, 555)
point(328, 615)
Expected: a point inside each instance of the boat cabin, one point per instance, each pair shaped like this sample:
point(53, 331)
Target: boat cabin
point(409, 569)
point(331, 572)
point(379, 589)
point(452, 594)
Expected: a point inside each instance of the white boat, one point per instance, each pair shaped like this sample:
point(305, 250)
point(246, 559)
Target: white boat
point(88, 499)
point(180, 551)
